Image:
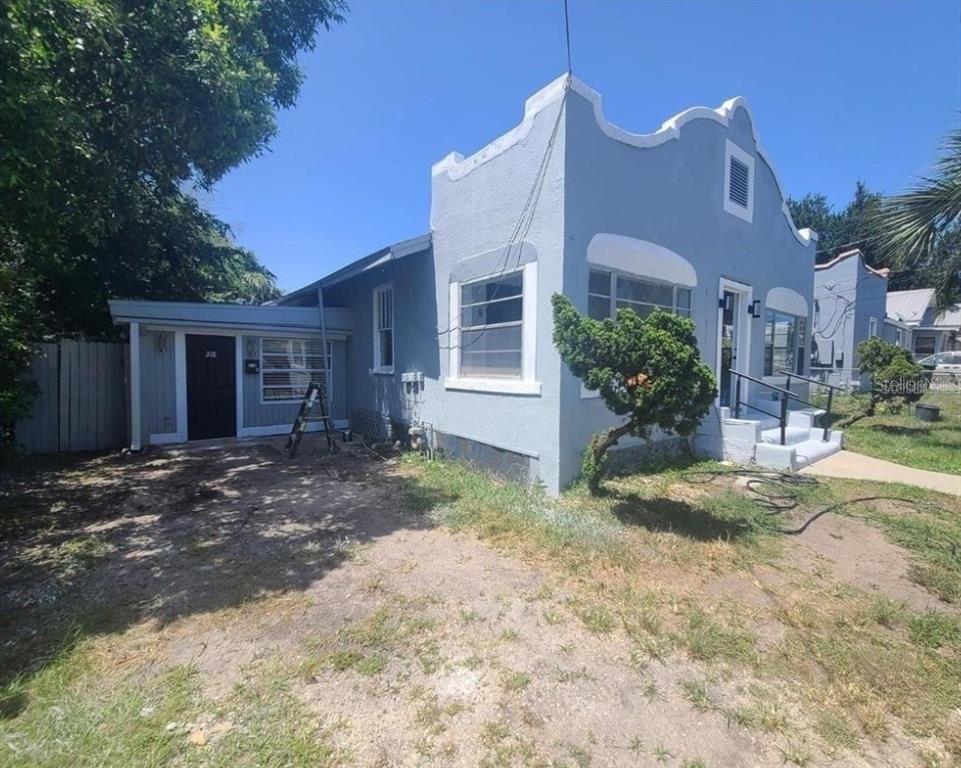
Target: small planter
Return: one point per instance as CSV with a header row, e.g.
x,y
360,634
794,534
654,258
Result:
x,y
927,412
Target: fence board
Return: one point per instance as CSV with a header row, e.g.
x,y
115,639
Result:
x,y
82,403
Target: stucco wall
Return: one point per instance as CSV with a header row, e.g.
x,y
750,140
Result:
x,y
848,295
474,219
672,195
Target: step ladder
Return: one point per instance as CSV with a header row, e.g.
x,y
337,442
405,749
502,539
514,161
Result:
x,y
315,396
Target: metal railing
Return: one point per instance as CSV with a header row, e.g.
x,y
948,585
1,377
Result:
x,y
784,395
826,416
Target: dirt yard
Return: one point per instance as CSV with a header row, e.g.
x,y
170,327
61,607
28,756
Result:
x,y
231,607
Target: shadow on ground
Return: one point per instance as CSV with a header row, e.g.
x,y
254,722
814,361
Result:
x,y
97,544
665,515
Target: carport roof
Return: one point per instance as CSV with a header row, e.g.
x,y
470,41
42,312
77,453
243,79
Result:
x,y
243,317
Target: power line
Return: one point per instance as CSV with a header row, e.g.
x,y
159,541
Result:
x,y
567,30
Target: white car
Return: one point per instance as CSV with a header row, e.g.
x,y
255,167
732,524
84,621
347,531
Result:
x,y
942,362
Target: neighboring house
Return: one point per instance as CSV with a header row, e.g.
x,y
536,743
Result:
x,y
451,331
931,331
849,307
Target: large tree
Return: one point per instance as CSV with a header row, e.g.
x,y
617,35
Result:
x,y
111,113
851,227
921,229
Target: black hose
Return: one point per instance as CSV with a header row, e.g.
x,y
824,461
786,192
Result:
x,y
778,503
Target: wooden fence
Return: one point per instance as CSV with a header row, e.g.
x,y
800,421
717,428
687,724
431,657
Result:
x,y
82,403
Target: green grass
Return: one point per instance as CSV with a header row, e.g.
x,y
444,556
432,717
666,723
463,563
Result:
x,y
76,712
903,438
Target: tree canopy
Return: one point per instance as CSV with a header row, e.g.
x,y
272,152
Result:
x,y
112,114
851,227
646,369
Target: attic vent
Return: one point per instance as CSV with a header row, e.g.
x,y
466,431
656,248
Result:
x,y
738,182
738,189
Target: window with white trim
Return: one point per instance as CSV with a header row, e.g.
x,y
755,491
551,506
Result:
x,y
287,366
608,291
491,327
872,327
384,329
783,343
899,337
738,181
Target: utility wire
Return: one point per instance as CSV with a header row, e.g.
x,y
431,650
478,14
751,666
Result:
x,y
567,30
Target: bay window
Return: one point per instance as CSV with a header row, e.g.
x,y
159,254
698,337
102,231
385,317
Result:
x,y
783,343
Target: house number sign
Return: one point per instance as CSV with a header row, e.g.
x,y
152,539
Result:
x,y
211,353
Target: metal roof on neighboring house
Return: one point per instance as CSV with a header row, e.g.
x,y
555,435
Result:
x,y
950,318
909,306
916,308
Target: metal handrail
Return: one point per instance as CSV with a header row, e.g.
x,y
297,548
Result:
x,y
808,379
783,396
826,416
762,383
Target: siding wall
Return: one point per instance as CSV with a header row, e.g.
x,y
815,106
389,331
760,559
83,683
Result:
x,y
258,414
158,399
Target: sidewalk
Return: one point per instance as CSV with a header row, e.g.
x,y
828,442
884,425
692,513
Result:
x,y
858,467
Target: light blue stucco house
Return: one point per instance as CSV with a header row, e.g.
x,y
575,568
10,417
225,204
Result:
x,y
451,332
850,306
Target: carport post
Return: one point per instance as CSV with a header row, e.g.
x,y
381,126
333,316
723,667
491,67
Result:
x,y
135,386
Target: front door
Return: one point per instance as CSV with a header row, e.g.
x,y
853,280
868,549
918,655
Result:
x,y
211,387
730,320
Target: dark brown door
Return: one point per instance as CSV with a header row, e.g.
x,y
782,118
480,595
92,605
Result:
x,y
211,387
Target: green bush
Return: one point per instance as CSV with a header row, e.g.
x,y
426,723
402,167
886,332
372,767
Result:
x,y
646,369
895,378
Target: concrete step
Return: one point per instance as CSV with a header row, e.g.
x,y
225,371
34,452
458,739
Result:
x,y
804,417
797,455
792,435
811,451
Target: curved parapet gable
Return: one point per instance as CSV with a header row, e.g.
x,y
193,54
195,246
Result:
x,y
641,258
786,300
456,166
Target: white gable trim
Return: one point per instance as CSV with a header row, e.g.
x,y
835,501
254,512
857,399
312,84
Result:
x,y
786,300
640,257
456,165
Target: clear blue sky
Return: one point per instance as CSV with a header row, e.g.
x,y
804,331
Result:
x,y
840,91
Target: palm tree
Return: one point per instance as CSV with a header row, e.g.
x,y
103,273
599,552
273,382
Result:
x,y
921,228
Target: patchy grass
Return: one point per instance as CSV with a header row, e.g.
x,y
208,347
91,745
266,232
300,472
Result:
x,y
903,438
926,524
860,661
77,711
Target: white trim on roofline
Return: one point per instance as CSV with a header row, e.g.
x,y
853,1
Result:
x,y
455,165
